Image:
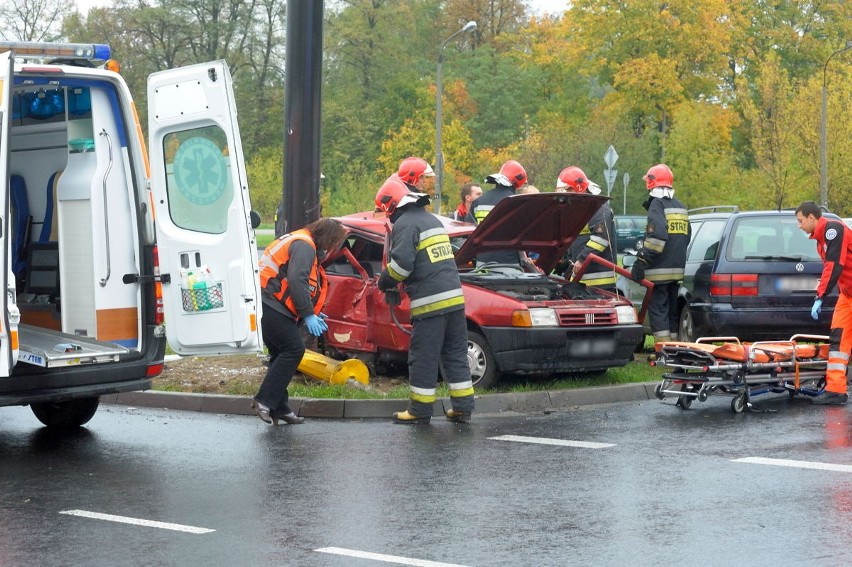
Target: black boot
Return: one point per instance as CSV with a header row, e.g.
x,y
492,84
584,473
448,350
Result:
x,y
830,399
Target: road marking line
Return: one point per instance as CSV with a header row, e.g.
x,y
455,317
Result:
x,y
546,441
137,521
795,464
386,558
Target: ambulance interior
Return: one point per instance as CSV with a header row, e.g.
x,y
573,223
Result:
x,y
74,234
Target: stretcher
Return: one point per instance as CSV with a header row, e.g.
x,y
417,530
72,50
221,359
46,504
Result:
x,y
726,366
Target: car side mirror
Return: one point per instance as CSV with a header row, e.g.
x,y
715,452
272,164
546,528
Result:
x,y
255,219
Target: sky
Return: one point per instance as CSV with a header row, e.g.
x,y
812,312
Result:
x,y
538,6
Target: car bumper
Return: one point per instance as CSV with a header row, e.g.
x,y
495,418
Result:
x,y
757,324
580,349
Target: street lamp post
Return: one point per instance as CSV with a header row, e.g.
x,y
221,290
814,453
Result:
x,y
439,88
823,132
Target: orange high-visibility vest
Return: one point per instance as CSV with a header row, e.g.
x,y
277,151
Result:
x,y
273,272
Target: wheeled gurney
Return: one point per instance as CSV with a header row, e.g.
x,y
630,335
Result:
x,y
726,366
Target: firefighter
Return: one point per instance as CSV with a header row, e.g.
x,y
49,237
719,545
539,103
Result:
x,y
662,259
293,288
595,238
834,245
511,177
413,171
421,258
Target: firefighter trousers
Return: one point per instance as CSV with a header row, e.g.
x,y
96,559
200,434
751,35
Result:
x,y
662,311
439,342
840,345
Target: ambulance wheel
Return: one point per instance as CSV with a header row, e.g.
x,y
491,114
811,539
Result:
x,y
66,415
738,404
480,358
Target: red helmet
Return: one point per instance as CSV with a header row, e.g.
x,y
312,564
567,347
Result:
x,y
659,176
573,179
511,174
394,194
411,169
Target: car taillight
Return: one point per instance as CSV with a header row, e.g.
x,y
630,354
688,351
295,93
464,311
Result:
x,y
733,284
159,316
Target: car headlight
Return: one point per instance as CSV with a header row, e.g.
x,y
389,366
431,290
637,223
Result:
x,y
539,317
626,314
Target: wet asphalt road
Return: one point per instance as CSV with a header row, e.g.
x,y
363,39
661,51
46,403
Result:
x,y
663,488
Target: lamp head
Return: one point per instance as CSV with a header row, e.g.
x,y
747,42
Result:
x,y
469,27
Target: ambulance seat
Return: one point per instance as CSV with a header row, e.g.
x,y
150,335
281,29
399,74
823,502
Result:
x,y
50,228
21,222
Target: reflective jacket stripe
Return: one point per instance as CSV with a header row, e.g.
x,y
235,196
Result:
x,y
598,278
481,212
437,301
597,243
396,271
664,274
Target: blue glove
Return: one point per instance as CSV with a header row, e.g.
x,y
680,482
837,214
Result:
x,y
816,309
315,325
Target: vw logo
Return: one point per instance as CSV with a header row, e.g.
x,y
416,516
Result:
x,y
800,267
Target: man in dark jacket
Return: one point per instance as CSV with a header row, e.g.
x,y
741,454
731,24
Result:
x,y
662,258
421,258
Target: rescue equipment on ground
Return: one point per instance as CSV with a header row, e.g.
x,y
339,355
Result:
x,y
333,371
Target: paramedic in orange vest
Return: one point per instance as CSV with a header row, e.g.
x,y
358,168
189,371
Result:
x,y
834,244
293,287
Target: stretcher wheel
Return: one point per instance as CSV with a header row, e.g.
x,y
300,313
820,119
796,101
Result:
x,y
702,395
738,404
684,401
658,391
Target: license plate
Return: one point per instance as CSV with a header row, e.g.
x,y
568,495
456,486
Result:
x,y
795,284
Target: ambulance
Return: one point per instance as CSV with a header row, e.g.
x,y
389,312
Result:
x,y
109,250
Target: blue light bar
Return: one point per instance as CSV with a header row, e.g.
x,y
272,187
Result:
x,y
32,49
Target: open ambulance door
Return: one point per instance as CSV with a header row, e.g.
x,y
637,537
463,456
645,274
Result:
x,y
207,247
10,316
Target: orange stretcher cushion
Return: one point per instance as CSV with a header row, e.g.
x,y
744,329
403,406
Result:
x,y
764,352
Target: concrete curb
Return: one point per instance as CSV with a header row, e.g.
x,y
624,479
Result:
x,y
529,402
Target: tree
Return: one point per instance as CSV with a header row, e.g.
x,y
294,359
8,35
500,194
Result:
x,y
701,156
34,20
773,122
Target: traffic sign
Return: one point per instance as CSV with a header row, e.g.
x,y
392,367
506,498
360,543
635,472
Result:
x,y
610,157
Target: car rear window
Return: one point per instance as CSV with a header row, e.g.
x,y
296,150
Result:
x,y
769,238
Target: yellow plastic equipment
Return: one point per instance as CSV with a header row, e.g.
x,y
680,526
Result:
x,y
333,371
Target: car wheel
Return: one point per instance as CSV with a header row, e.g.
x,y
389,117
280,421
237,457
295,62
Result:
x,y
685,330
480,359
70,414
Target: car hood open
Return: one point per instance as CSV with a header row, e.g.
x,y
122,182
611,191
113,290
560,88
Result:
x,y
544,223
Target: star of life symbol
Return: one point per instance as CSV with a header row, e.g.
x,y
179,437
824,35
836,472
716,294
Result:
x,y
200,171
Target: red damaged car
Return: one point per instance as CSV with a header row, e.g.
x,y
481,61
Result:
x,y
520,320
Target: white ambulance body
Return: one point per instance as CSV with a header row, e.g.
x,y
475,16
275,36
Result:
x,y
108,250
